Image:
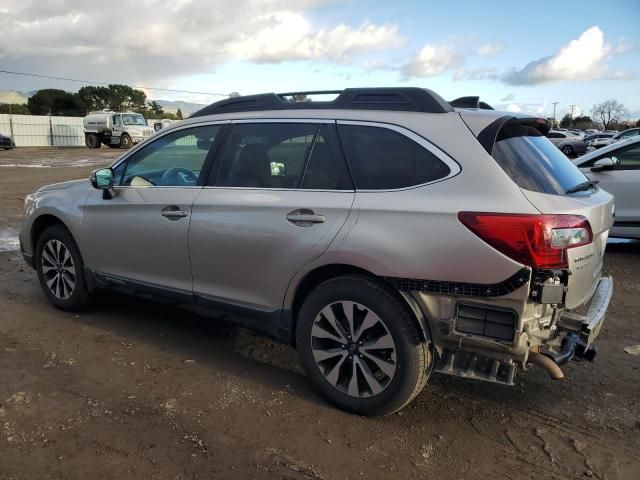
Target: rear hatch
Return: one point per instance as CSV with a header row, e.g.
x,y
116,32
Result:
x,y
555,186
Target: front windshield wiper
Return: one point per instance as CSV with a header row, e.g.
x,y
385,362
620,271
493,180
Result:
x,y
581,187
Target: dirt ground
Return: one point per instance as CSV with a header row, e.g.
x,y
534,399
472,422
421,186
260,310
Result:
x,y
133,390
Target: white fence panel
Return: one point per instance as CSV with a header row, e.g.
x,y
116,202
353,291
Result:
x,y
43,131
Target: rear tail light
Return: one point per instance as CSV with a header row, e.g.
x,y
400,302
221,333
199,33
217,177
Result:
x,y
539,241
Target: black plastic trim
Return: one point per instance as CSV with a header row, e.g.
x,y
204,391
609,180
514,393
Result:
x,y
627,224
487,137
408,99
470,102
261,321
505,287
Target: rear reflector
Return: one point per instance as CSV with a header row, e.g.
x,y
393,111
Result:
x,y
539,241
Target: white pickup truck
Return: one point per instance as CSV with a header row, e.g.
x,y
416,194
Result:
x,y
115,129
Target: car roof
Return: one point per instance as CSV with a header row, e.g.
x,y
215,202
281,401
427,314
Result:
x,y
607,149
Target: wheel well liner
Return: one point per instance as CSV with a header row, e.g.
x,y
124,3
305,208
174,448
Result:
x,y
326,272
40,224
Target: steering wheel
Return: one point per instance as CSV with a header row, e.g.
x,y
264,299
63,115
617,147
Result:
x,y
179,176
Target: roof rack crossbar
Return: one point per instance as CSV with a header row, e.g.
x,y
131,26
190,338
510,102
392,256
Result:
x,y
391,99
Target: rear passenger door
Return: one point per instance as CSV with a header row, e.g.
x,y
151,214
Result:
x,y
279,194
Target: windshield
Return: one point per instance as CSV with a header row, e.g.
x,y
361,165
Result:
x,y
533,162
133,119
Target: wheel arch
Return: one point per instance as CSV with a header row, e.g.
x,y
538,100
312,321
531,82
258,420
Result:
x,y
41,223
321,274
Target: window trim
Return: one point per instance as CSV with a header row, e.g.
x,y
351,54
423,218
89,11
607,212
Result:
x,y
210,182
208,161
454,167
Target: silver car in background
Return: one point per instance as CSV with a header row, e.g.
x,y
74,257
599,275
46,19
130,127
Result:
x,y
569,143
616,168
385,234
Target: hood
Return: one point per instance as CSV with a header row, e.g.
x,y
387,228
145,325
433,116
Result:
x,y
64,185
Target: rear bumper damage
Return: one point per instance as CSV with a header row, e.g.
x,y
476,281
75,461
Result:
x,y
473,344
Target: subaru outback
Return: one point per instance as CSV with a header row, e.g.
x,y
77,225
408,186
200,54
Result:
x,y
386,234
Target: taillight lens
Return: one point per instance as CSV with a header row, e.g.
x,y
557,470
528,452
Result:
x,y
540,241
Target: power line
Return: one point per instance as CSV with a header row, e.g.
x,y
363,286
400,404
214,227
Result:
x,y
51,77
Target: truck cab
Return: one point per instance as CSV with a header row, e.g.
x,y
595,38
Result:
x,y
115,129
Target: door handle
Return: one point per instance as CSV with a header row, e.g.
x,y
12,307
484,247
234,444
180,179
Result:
x,y
304,217
173,212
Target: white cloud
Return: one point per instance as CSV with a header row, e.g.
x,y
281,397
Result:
x,y
508,98
533,108
433,60
584,58
475,74
150,41
290,36
489,49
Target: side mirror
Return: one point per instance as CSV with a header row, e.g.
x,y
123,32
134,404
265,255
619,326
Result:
x,y
103,179
604,164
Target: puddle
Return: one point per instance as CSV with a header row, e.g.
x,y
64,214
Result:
x,y
24,165
9,240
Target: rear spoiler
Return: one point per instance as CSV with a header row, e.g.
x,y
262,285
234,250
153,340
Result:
x,y
470,102
489,135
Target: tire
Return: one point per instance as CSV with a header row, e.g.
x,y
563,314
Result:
x,y
91,140
567,150
387,380
125,141
70,291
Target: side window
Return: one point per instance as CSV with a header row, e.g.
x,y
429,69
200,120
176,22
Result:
x,y
629,158
266,155
173,160
117,120
555,135
381,159
326,169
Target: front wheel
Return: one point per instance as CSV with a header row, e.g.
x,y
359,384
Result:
x,y
61,269
91,140
361,346
125,141
567,150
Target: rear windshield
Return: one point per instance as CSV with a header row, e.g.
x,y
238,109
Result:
x,y
533,162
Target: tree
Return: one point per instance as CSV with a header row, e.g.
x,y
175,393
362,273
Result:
x,y
14,108
55,102
123,97
234,94
94,98
156,108
300,97
583,122
638,123
608,112
566,121
179,114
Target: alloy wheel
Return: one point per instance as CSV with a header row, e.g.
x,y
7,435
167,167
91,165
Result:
x,y
58,269
353,349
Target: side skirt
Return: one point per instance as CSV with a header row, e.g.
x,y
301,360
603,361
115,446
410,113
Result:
x,y
268,323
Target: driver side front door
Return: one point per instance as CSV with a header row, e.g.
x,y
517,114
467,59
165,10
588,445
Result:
x,y
140,236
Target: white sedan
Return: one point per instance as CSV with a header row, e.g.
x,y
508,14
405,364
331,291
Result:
x,y
617,169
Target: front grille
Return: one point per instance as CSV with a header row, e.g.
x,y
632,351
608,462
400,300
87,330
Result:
x,y
493,323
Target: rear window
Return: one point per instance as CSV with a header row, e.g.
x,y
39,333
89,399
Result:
x,y
533,162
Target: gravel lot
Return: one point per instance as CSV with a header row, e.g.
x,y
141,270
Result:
x,y
135,390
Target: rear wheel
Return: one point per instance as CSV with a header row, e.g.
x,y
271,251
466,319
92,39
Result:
x,y
125,141
92,141
361,346
61,269
567,150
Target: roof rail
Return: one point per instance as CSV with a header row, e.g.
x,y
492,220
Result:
x,y
407,99
470,102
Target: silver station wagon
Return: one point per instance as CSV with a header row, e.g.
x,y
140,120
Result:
x,y
385,234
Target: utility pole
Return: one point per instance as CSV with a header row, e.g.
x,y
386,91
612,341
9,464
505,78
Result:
x,y
571,117
554,111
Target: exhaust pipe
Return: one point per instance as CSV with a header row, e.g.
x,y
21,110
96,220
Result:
x,y
552,368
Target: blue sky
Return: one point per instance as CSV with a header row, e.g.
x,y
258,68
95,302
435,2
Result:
x,y
515,56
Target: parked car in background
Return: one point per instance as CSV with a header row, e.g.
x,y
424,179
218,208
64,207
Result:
x,y
591,131
569,143
386,234
617,169
596,136
6,142
160,124
626,134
